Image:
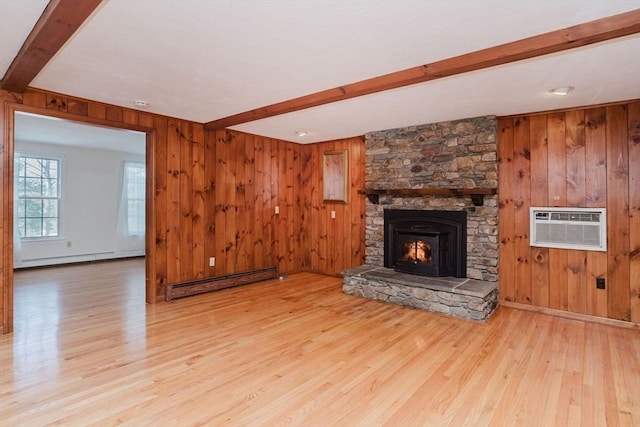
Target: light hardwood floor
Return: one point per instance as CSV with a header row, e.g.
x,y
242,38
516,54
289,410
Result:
x,y
88,351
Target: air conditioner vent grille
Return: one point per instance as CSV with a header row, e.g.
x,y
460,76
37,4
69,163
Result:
x,y
575,228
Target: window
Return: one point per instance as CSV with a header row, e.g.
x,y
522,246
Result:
x,y
38,196
134,178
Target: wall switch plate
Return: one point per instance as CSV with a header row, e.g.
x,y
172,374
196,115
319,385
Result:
x,y
277,210
212,261
600,283
333,214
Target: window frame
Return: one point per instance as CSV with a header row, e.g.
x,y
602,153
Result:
x,y
143,198
20,155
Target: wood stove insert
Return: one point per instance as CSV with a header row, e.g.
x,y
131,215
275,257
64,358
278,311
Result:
x,y
428,243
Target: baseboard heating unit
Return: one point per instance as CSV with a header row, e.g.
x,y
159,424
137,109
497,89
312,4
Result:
x,y
194,287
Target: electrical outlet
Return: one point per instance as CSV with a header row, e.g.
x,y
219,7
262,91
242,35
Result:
x,y
600,283
333,214
212,261
68,243
277,210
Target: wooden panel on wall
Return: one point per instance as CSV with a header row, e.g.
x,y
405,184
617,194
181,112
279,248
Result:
x,y
618,212
539,197
198,216
521,201
581,158
575,177
161,211
596,196
634,209
506,225
6,213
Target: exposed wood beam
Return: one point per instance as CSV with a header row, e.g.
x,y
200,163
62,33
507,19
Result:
x,y
600,30
59,20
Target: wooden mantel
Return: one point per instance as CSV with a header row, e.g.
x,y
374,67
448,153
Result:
x,y
477,194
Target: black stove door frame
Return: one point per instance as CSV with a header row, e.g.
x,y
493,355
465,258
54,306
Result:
x,y
455,222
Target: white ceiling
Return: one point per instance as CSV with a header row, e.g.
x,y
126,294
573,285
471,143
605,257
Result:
x,y
206,59
50,130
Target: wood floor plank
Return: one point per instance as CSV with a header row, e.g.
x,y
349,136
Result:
x,y
87,351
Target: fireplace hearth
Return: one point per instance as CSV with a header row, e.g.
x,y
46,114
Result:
x,y
426,242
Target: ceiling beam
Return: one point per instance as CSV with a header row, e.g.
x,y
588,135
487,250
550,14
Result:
x,y
555,41
59,20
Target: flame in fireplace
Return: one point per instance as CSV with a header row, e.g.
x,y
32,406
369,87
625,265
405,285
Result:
x,y
417,251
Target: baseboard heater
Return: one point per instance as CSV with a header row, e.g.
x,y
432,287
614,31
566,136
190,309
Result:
x,y
200,286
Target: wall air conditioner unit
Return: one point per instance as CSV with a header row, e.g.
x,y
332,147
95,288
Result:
x,y
569,228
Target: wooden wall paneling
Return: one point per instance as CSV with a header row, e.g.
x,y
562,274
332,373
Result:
x,y
151,294
291,218
56,102
281,221
618,212
161,201
185,132
634,210
357,203
115,114
210,208
305,191
198,217
260,181
298,208
521,201
323,224
596,196
221,203
97,111
506,209
144,119
596,299
241,214
130,117
539,197
576,194
557,163
249,201
577,281
173,202
342,225
575,158
331,223
275,201
316,201
558,297
36,98
267,203
81,108
231,213
6,225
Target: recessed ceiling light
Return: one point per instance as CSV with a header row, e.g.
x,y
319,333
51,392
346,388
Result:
x,y
562,91
140,103
302,133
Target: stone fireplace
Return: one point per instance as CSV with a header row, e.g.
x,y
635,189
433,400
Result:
x,y
421,170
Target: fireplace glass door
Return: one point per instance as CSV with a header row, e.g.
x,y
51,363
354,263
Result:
x,y
421,253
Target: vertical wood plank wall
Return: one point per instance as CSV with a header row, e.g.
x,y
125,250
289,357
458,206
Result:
x,y
583,158
215,195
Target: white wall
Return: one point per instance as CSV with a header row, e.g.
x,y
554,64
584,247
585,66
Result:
x,y
91,186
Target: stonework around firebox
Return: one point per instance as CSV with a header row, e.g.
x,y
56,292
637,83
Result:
x,y
456,154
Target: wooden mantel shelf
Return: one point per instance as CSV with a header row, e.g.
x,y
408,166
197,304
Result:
x,y
477,194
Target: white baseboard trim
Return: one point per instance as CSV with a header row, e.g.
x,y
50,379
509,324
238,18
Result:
x,y
43,262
